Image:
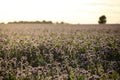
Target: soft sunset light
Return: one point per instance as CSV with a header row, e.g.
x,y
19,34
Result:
x,y
71,11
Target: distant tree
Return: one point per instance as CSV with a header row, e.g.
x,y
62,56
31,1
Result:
x,y
102,19
62,22
43,21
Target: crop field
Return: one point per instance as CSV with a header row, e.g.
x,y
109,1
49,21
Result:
x,y
59,52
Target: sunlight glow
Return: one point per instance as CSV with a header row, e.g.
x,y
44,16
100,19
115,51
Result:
x,y
71,11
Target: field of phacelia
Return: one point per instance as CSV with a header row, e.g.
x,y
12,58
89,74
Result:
x,y
59,52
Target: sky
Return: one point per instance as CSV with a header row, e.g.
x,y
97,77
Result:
x,y
69,11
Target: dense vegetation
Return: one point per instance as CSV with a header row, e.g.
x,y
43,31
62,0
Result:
x,y
59,52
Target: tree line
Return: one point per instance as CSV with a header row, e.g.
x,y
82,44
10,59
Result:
x,y
102,20
31,22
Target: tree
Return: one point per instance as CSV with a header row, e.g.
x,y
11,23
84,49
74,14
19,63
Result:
x,y
102,19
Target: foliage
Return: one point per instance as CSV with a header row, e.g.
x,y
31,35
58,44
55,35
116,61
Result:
x,y
102,19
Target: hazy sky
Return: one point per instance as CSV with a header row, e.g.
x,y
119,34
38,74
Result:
x,y
71,11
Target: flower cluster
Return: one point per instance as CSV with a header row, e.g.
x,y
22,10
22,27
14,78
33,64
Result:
x,y
66,52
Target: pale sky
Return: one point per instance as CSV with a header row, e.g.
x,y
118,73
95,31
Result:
x,y
70,11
